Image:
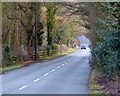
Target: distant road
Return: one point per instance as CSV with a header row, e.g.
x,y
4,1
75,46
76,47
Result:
x,y
84,40
65,75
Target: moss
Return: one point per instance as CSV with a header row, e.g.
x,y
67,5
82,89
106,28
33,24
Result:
x,y
97,92
95,86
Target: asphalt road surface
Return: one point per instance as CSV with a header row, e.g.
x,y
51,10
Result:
x,y
65,75
84,40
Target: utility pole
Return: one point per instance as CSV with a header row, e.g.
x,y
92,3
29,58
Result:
x,y
35,34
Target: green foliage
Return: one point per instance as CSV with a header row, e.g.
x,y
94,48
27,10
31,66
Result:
x,y
7,56
105,55
55,48
61,34
51,10
7,49
18,28
64,33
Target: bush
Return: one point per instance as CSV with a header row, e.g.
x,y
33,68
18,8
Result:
x,y
7,58
105,59
55,48
105,56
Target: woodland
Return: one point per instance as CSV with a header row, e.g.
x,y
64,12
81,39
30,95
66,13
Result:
x,y
61,23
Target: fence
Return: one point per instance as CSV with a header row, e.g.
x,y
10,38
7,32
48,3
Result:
x,y
41,54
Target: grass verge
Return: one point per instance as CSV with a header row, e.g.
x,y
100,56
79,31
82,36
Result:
x,y
71,50
16,66
94,87
11,67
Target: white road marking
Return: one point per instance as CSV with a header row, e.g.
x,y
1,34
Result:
x,y
46,74
22,88
36,80
59,66
43,75
53,70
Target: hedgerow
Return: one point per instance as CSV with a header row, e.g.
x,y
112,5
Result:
x,y
105,55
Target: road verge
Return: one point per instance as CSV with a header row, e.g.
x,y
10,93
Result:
x,y
94,87
27,63
99,84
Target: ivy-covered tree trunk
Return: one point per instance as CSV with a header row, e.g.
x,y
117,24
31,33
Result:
x,y
40,27
51,10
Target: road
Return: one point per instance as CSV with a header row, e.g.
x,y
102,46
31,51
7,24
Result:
x,y
65,75
84,40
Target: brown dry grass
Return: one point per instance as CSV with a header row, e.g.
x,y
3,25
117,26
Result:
x,y
99,84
